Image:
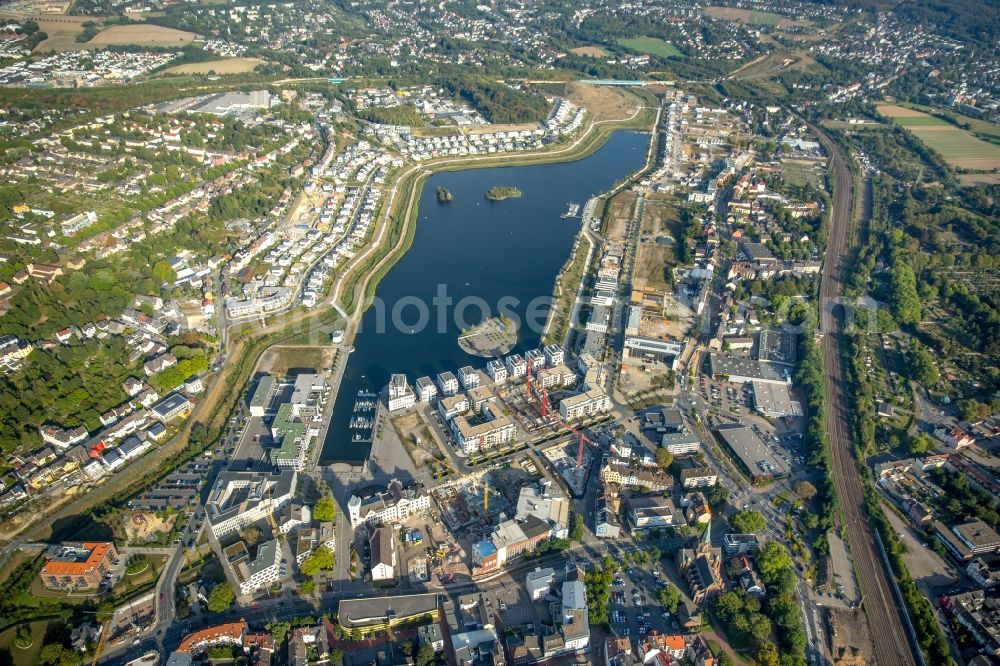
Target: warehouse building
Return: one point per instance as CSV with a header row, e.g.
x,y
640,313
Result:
x,y
752,453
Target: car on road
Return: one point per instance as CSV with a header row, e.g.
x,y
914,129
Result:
x,y
161,596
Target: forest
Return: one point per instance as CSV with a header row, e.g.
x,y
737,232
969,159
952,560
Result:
x,y
497,102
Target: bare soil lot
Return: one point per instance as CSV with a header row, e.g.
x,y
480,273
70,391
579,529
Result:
x,y
618,213
589,51
603,103
223,66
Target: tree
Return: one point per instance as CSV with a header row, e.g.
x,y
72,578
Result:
x,y
920,444
772,559
717,495
664,458
748,522
279,630
767,654
252,535
325,509
805,490
319,559
220,598
336,656
669,598
971,410
426,656
576,527
163,272
307,586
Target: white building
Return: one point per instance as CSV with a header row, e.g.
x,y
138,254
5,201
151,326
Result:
x,y
261,571
497,371
594,401
469,377
395,504
554,355
426,390
401,396
448,383
383,554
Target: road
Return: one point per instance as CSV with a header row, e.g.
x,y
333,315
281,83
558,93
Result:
x,y
887,621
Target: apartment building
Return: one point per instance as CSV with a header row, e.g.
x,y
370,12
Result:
x,y
592,402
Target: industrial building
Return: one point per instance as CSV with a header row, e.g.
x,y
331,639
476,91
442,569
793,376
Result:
x,y
652,350
740,370
774,400
751,452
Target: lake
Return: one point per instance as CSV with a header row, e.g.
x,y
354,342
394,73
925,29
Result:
x,y
472,252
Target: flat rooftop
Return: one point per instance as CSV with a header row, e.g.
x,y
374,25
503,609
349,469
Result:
x,y
755,455
376,610
773,399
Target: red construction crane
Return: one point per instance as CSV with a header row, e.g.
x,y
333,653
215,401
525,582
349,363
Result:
x,y
545,408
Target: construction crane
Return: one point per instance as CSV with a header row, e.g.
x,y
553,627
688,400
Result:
x,y
100,641
270,511
486,498
545,409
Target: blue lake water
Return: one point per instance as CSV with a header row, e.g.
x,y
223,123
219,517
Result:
x,y
505,254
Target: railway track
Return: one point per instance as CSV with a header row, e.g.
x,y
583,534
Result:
x,y
887,621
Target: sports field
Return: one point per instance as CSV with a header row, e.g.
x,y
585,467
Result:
x,y
652,46
958,147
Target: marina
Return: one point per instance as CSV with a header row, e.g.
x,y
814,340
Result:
x,y
572,210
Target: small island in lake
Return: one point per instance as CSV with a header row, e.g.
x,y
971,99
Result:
x,y
443,195
490,338
502,192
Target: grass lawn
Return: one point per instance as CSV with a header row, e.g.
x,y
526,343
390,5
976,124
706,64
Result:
x,y
919,121
652,46
764,18
26,657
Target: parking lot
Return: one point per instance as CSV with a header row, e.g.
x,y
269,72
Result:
x,y
634,609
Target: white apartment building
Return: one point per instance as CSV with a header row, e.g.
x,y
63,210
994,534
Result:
x,y
469,377
448,383
554,355
516,366
426,390
497,371
396,503
401,396
594,401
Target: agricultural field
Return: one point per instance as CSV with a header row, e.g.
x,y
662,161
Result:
x,y
62,32
750,16
958,147
589,51
651,45
141,34
223,66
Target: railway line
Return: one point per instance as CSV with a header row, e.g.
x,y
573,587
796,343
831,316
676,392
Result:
x,y
887,621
